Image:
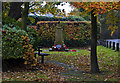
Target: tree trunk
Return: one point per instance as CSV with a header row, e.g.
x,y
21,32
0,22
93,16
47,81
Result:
x,y
15,10
25,15
94,63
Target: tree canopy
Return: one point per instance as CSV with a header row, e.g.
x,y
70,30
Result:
x,y
101,8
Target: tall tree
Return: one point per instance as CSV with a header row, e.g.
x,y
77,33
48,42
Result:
x,y
15,10
96,8
94,63
25,15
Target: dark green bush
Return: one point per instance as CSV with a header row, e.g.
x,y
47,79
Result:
x,y
34,37
11,39
11,22
45,18
16,44
75,18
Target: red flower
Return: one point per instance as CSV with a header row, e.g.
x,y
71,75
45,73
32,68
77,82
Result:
x,y
65,46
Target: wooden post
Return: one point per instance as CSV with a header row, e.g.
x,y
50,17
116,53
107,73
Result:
x,y
117,47
42,59
35,55
104,43
107,44
39,50
113,46
110,44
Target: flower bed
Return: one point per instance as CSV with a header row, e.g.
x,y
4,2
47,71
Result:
x,y
59,47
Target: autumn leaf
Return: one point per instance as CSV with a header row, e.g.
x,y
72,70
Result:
x,y
32,19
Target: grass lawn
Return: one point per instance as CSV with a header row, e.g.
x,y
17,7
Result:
x,y
107,60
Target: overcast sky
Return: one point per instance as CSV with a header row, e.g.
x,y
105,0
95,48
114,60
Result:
x,y
66,7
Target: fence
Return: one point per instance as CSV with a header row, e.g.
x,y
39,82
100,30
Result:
x,y
109,44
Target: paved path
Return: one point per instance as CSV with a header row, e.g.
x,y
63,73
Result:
x,y
71,72
66,67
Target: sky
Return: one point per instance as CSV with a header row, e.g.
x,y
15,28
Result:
x,y
66,6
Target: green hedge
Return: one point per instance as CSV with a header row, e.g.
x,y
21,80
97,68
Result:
x,y
45,18
75,33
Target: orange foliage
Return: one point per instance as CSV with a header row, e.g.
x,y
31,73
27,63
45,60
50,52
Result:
x,y
99,7
71,30
28,51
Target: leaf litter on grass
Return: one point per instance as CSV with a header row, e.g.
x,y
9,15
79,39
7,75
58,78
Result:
x,y
39,73
81,62
107,61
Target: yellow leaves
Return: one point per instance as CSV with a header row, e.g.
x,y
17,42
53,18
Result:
x,y
33,65
6,14
112,33
107,22
108,10
110,27
96,14
25,45
86,8
97,20
32,19
71,13
35,60
23,57
25,62
113,28
28,52
112,19
24,37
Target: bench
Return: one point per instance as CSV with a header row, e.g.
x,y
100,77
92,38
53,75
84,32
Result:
x,y
41,54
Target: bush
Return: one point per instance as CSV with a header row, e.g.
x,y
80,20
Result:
x,y
11,22
15,44
11,39
33,36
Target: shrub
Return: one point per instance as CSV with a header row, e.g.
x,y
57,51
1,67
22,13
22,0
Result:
x,y
15,44
11,22
11,42
33,36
